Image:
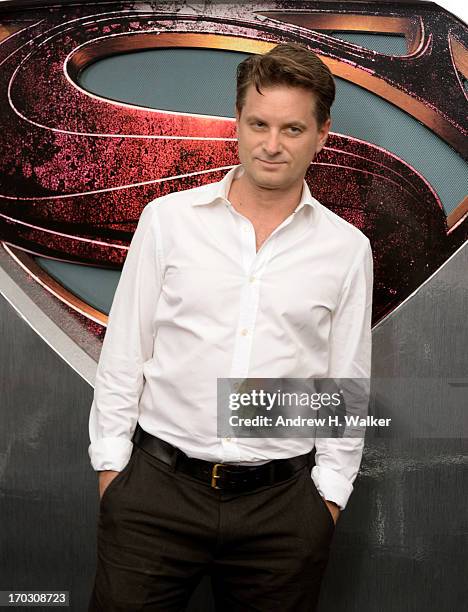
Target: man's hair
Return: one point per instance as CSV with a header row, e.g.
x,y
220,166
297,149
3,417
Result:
x,y
292,65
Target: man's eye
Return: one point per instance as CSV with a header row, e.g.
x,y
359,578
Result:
x,y
294,129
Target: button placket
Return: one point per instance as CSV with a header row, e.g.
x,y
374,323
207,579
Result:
x,y
254,264
250,298
248,244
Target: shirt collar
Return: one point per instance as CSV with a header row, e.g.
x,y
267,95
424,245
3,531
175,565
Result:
x,y
219,191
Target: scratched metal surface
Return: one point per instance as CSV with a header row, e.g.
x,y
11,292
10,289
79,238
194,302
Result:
x,y
401,544
48,493
398,547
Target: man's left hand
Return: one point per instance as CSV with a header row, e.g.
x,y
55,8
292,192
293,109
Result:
x,y
334,509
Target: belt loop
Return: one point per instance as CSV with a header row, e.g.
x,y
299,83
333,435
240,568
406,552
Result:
x,y
272,472
136,434
175,459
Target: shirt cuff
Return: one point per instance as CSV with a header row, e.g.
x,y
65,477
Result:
x,y
332,486
110,453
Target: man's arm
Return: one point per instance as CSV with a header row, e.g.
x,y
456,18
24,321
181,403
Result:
x,y
128,343
338,459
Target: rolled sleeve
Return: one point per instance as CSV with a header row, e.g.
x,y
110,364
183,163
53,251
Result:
x,y
338,459
127,345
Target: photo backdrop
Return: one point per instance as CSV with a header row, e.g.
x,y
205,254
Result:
x,y
105,106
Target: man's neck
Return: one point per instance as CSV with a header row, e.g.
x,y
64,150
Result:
x,y
253,201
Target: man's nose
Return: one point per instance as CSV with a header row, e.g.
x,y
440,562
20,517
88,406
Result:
x,y
272,143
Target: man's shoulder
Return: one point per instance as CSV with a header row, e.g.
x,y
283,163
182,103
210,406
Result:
x,y
177,201
345,231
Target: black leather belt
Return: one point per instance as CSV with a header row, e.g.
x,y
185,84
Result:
x,y
223,476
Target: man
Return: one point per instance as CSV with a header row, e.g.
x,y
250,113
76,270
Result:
x,y
248,277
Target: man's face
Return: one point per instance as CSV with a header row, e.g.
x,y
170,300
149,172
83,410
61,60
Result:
x,y
278,135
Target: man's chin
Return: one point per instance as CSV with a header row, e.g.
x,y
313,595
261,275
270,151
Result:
x,y
265,180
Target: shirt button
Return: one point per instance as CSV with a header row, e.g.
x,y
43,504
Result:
x,y
244,332
252,279
227,439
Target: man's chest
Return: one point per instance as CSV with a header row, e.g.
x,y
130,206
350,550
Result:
x,y
216,278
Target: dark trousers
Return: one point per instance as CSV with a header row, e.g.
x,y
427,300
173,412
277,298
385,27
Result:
x,y
160,531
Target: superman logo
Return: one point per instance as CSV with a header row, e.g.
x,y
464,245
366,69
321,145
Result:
x,y
77,169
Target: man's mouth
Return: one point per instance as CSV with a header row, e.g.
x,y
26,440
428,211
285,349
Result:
x,y
270,163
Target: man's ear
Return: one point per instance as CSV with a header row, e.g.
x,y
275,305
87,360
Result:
x,y
323,134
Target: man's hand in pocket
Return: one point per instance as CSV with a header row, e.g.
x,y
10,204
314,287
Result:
x,y
105,478
334,510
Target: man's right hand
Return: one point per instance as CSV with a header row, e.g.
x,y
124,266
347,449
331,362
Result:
x,y
105,478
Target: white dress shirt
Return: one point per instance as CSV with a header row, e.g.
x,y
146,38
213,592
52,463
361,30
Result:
x,y
197,302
